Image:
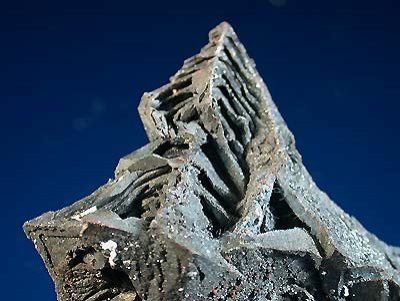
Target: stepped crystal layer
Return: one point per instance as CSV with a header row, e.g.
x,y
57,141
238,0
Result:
x,y
218,206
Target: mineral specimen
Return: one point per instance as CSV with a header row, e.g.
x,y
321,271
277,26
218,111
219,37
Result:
x,y
218,206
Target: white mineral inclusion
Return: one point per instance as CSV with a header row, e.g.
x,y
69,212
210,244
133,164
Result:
x,y
84,213
112,247
346,291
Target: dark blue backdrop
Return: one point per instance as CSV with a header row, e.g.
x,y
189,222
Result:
x,y
72,74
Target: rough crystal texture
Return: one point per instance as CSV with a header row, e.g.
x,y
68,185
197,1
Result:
x,y
218,206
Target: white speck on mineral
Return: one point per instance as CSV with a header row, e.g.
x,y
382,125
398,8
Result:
x,y
192,274
346,291
112,247
90,210
84,213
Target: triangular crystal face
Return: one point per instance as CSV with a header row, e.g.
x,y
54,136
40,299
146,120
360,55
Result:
x,y
218,206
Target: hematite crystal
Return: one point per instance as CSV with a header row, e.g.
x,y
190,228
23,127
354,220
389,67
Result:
x,y
218,206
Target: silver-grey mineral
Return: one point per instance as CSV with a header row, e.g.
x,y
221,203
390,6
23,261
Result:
x,y
218,206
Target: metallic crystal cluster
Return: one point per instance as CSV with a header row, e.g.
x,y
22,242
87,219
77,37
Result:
x,y
218,206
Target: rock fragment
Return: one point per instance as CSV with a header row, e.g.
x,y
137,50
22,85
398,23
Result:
x,y
218,206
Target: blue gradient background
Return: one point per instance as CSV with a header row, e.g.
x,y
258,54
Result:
x,y
72,74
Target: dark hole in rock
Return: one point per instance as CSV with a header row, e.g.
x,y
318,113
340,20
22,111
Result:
x,y
285,218
201,274
171,150
78,256
117,279
284,215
